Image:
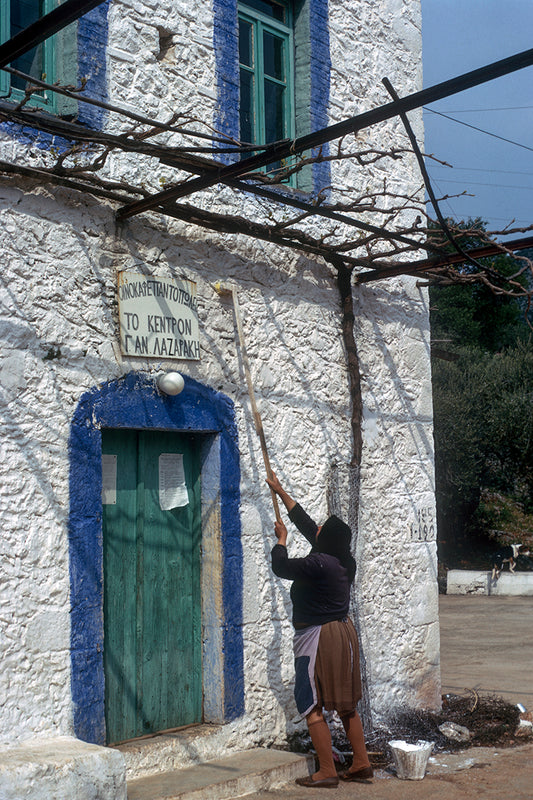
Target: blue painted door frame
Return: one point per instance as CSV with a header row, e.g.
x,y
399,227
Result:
x,y
135,402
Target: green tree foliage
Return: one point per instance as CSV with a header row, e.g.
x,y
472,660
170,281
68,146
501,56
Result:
x,y
483,407
472,314
483,404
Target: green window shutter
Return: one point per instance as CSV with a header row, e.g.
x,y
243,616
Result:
x,y
66,69
54,60
266,61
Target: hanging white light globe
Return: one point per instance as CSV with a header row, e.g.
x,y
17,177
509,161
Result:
x,y
171,383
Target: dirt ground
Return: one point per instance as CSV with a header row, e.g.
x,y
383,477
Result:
x,y
487,647
475,774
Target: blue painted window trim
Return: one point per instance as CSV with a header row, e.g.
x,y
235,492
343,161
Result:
x,y
134,402
92,60
91,43
318,69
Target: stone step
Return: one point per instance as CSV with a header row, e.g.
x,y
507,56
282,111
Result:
x,y
233,776
61,768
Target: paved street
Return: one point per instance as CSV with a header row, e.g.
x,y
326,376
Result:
x,y
487,644
481,774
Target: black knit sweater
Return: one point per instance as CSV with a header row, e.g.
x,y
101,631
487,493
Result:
x,y
320,591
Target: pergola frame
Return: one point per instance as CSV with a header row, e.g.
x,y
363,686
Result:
x,y
242,174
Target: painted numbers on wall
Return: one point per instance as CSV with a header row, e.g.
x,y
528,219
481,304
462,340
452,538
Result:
x,y
423,528
158,317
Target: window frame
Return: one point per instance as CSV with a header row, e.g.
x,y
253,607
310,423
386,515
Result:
x,y
262,23
312,68
56,55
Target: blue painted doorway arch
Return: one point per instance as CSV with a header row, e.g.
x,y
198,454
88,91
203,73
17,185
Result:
x,y
135,402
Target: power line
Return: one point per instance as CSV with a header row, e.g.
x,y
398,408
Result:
x,y
488,217
480,169
477,110
445,200
480,130
506,219
494,185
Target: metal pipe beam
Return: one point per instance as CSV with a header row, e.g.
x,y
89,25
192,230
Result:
x,y
288,147
196,164
406,268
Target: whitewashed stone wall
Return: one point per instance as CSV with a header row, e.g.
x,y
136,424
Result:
x,y
60,256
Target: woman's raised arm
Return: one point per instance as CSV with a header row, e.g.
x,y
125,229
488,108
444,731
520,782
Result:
x,y
284,496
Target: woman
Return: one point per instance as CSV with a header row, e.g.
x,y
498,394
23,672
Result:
x,y
326,650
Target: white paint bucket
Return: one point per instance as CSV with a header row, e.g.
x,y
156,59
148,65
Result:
x,y
411,759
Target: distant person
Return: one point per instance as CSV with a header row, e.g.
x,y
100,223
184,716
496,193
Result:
x,y
326,649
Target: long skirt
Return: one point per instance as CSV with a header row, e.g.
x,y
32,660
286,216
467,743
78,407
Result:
x,y
337,670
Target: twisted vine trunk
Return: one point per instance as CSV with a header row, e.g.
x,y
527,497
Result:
x,y
344,283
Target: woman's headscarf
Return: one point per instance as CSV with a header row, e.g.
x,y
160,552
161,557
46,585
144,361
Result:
x,y
334,539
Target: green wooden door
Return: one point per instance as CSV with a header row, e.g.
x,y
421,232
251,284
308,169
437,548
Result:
x,y
152,622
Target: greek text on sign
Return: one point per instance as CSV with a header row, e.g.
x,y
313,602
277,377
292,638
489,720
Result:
x,y
158,317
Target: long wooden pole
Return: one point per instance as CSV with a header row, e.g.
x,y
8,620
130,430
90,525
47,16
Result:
x,y
257,416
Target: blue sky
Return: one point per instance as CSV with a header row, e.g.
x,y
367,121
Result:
x,y
458,36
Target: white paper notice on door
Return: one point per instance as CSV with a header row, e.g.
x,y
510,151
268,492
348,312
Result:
x,y
172,488
109,480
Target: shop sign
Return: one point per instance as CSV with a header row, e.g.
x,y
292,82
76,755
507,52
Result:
x,y
158,317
